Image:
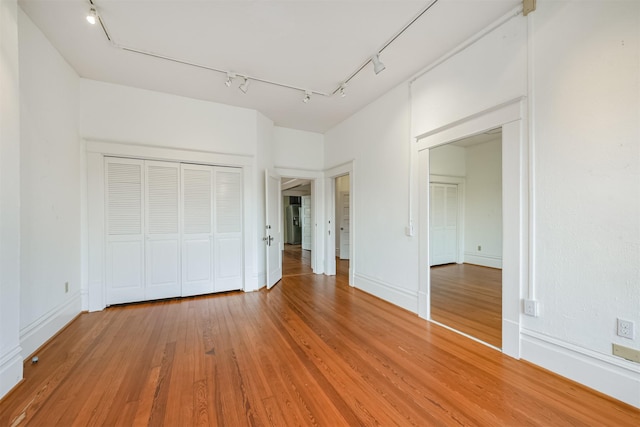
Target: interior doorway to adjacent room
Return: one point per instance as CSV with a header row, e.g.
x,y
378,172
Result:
x,y
297,224
342,217
465,236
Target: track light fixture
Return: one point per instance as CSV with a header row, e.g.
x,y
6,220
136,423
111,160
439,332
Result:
x,y
343,88
230,78
244,87
378,66
92,16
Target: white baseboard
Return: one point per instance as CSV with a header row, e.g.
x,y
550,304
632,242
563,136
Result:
x,y
10,369
610,375
38,332
84,298
483,260
401,297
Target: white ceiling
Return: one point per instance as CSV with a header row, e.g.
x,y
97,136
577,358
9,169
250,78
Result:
x,y
311,44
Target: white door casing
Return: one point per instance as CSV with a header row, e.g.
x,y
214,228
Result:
x,y
344,224
305,216
273,234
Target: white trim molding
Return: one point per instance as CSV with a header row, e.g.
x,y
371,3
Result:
x,y
604,373
483,260
10,369
46,326
405,298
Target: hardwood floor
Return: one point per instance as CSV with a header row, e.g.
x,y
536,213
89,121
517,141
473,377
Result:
x,y
468,298
295,261
311,351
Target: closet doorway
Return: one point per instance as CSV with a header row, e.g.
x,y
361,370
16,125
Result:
x,y
172,229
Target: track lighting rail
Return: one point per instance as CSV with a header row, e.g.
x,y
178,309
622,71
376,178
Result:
x,y
374,59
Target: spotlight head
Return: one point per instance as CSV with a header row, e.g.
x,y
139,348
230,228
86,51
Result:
x,y
378,66
230,78
92,16
244,87
307,96
343,88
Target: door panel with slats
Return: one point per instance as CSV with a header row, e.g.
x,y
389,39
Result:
x,y
162,195
125,239
197,234
172,229
228,228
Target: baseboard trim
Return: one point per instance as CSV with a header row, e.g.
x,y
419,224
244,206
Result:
x,y
34,335
10,370
607,374
401,297
483,260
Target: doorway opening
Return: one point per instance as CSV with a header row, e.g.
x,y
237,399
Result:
x,y
297,226
343,223
465,235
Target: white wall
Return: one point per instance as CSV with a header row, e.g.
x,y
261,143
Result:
x,y
50,189
586,102
448,160
483,204
10,350
298,149
377,138
116,113
578,65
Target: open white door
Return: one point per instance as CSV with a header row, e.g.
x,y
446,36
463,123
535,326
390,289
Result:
x,y
344,224
305,216
273,234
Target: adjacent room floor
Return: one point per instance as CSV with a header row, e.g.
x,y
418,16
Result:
x,y
310,351
468,298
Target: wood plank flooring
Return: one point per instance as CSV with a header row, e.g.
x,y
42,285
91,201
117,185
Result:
x,y
311,351
468,298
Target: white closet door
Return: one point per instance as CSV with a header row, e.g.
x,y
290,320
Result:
x,y
443,224
125,233
197,229
227,228
162,195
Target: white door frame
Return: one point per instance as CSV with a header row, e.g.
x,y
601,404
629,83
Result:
x,y
515,192
330,205
317,214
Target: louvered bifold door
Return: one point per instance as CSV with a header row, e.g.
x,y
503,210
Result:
x,y
124,230
227,228
162,191
197,229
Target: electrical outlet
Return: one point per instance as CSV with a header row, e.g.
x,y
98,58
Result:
x,y
479,248
66,287
625,329
531,307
